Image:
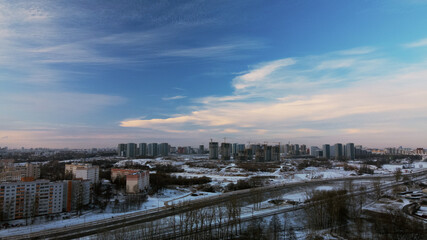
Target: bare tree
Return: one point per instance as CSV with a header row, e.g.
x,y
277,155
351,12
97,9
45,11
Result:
x,y
377,188
274,227
397,174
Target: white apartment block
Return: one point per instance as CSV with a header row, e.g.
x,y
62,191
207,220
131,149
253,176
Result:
x,y
83,171
26,199
137,182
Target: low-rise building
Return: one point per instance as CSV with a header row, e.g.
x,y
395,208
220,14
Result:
x,y
119,172
12,173
137,182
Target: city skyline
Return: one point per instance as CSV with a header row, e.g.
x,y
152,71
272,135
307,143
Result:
x,y
76,74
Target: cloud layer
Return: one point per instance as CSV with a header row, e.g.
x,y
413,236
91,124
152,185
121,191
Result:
x,y
345,95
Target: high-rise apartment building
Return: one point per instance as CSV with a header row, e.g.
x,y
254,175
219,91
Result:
x,y
314,150
338,149
303,149
255,148
27,199
326,151
121,150
201,149
288,150
130,150
213,150
153,150
349,151
142,149
267,153
234,150
163,149
225,151
76,194
275,153
295,149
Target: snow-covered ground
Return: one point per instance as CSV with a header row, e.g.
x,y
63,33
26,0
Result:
x,y
166,197
222,175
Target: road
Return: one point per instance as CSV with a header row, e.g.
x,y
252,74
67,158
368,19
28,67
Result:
x,y
167,233
95,227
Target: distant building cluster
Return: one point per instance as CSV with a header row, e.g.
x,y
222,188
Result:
x,y
10,172
398,151
131,150
259,152
24,195
338,151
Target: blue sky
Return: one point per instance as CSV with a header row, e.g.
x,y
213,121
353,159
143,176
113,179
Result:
x,y
96,73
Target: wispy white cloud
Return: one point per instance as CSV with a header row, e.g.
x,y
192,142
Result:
x,y
419,43
216,51
260,73
173,98
357,51
298,99
335,64
37,36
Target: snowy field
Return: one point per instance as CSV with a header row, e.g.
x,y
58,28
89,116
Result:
x,y
165,198
222,175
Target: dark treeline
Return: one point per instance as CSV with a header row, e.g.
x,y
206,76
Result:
x,y
162,180
259,167
63,155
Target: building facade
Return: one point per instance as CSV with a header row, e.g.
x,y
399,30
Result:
x,y
326,151
142,149
163,149
152,150
84,171
338,149
121,150
76,194
137,182
28,199
131,150
213,150
118,172
225,151
350,151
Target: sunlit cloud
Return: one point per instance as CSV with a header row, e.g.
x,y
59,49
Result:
x,y
297,98
260,73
